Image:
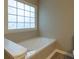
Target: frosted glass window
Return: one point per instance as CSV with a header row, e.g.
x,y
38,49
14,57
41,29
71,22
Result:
x,y
20,5
32,14
20,25
20,19
11,10
11,18
27,19
20,15
27,25
27,7
27,13
11,25
33,20
32,25
12,3
20,12
32,9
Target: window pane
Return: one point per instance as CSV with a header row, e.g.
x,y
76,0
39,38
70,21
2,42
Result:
x,y
27,7
12,3
11,25
32,9
20,25
27,13
11,10
11,18
33,20
32,25
27,25
20,19
20,16
20,12
27,19
20,5
32,14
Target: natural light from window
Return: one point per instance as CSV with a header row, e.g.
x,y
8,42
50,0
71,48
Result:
x,y
20,15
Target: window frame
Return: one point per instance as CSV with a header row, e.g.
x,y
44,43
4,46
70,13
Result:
x,y
27,29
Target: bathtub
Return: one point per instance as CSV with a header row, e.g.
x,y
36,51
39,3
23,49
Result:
x,y
38,48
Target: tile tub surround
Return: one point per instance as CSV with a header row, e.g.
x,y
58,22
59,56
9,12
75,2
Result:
x,y
39,47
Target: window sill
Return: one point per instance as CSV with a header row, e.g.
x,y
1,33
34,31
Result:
x,y
21,30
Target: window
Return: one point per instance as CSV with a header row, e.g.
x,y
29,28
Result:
x,y
20,15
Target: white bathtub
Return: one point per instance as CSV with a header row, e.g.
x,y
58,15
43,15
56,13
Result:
x,y
37,45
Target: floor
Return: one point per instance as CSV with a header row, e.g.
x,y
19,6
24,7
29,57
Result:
x,y
61,56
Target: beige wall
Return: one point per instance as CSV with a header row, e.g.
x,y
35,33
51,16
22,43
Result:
x,y
17,35
56,20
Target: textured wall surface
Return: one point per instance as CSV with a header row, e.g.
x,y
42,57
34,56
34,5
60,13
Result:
x,y
56,20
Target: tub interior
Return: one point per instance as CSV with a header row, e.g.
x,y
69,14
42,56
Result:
x,y
36,43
